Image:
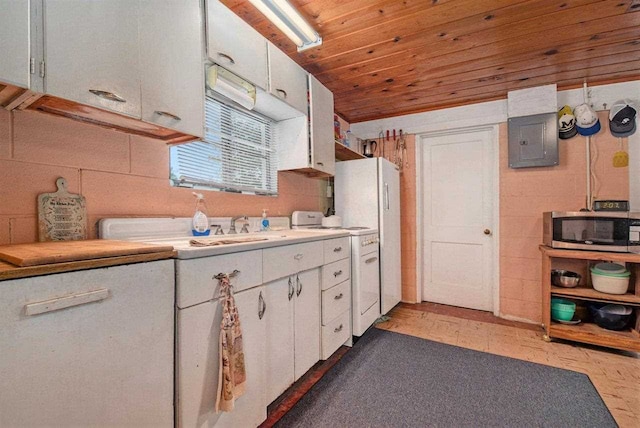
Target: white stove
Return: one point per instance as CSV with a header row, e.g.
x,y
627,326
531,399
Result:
x,y
365,267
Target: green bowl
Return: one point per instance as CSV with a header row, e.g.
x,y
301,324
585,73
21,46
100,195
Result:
x,y
562,310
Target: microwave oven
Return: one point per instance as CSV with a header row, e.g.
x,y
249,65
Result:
x,y
592,230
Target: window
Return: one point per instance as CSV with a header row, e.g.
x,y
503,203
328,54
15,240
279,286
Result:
x,y
237,153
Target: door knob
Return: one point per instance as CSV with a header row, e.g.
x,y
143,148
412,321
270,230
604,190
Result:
x,y
487,232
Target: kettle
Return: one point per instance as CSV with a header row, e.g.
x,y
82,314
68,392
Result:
x,y
369,148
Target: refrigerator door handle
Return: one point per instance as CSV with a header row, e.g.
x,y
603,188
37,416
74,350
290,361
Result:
x,y
386,195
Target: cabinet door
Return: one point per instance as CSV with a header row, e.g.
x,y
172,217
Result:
x,y
93,46
197,366
106,362
322,139
234,45
287,80
14,42
307,321
280,374
171,57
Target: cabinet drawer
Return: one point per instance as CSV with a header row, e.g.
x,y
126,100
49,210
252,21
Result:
x,y
282,261
335,301
336,272
335,334
194,278
336,249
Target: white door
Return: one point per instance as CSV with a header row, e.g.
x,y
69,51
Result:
x,y
198,365
91,53
287,80
458,219
390,271
105,358
323,153
307,321
280,295
14,42
171,60
235,45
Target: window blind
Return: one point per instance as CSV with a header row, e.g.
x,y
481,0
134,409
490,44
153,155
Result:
x,y
237,153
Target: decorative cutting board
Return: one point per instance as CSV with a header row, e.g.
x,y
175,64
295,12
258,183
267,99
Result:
x,y
62,216
40,253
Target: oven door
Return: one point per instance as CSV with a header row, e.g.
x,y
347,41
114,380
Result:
x,y
369,286
592,232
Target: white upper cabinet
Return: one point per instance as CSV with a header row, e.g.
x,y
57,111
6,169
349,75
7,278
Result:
x,y
321,117
171,58
14,42
287,80
91,53
235,45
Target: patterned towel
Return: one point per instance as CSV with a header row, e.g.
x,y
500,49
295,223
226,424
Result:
x,y
232,376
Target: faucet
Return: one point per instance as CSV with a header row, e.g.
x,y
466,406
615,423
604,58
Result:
x,y
232,229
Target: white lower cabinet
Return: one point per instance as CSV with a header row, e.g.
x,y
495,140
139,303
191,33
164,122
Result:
x,y
89,348
197,364
293,329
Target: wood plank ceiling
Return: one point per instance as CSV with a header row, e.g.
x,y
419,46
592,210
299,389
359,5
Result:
x,y
385,58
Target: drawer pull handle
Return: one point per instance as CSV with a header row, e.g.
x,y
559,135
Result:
x,y
339,296
320,163
65,302
107,95
283,92
227,57
338,329
230,275
298,256
337,249
336,274
262,306
291,289
371,260
167,114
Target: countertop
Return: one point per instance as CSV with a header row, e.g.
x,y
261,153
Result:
x,y
273,239
9,271
182,251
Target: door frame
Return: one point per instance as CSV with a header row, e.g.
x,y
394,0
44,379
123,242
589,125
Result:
x,y
495,187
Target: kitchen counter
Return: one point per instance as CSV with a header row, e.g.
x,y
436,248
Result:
x,y
273,239
11,271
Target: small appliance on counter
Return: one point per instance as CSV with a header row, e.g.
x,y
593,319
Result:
x,y
603,230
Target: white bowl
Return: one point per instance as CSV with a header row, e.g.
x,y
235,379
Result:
x,y
610,284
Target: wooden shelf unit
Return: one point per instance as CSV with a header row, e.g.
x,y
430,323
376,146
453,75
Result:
x,y
344,153
587,332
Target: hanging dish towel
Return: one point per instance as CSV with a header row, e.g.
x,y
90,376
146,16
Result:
x,y
232,376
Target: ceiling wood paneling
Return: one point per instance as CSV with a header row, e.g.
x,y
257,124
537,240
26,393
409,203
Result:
x,y
385,58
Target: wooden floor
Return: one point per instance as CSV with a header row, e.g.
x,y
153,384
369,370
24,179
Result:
x,y
615,374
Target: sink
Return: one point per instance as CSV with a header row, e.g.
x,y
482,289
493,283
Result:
x,y
207,242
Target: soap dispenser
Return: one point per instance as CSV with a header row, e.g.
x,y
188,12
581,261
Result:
x,y
264,223
200,222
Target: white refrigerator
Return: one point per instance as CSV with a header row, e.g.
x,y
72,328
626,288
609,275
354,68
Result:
x,y
367,193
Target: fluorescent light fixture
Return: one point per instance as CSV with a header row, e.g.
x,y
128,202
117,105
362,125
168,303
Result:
x,y
231,86
290,22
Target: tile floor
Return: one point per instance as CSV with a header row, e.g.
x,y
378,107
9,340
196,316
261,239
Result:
x,y
616,375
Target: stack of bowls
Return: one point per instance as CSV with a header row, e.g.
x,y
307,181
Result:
x,y
562,309
565,278
610,278
611,317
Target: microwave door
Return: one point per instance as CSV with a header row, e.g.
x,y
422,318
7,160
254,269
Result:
x,y
595,233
